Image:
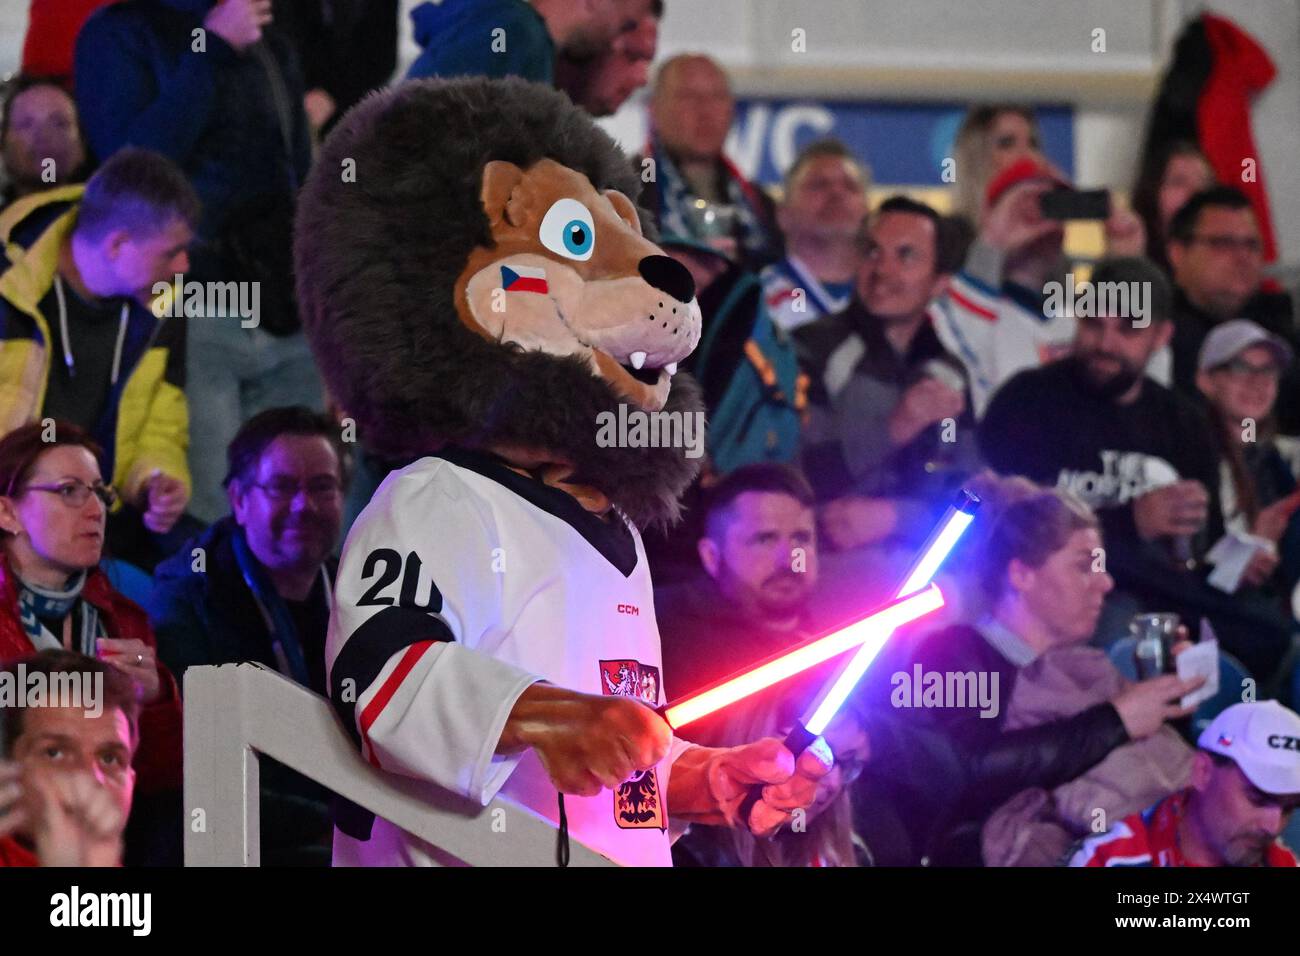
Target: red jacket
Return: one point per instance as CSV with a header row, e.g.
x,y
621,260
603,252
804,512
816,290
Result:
x,y
13,854
1242,69
52,28
1150,838
158,759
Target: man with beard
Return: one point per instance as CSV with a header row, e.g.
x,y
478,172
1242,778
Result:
x,y
822,209
513,37
995,315
1141,455
256,586
1245,785
759,551
602,85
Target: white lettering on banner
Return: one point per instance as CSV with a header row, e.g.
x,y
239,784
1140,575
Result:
x,y
788,121
744,144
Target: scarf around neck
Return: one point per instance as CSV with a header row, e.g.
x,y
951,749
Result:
x,y
37,604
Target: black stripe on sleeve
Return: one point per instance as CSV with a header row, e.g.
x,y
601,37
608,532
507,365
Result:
x,y
369,648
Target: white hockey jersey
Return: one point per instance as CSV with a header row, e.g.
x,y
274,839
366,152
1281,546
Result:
x,y
994,336
794,297
461,584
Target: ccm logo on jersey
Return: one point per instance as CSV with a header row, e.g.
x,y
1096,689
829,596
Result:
x,y
629,609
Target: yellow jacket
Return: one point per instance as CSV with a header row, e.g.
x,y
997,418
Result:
x,y
146,427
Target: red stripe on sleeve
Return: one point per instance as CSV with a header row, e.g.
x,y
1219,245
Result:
x,y
970,305
386,692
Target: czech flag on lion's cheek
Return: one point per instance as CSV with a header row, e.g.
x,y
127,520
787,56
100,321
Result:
x,y
523,279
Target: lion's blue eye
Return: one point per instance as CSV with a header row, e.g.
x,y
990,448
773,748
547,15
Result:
x,y
567,230
577,237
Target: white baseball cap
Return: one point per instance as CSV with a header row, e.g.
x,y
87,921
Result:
x,y
1229,339
1263,738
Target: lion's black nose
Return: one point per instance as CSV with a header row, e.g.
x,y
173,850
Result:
x,y
668,275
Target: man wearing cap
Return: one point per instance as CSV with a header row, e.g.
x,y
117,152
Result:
x,y
995,315
1141,455
1238,371
1245,783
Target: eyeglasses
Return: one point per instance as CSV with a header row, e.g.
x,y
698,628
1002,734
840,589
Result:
x,y
75,493
1230,243
324,489
1240,368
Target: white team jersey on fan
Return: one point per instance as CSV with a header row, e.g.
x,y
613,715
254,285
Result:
x,y
461,584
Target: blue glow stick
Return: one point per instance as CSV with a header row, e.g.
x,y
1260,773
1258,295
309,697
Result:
x,y
828,702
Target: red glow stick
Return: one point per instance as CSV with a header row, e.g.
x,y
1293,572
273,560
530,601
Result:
x,y
795,660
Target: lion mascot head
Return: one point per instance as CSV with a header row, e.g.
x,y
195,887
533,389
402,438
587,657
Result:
x,y
472,270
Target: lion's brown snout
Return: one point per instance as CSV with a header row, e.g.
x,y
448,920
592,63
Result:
x,y
668,276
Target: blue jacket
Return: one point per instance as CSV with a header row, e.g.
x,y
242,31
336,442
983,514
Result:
x,y
459,38
216,113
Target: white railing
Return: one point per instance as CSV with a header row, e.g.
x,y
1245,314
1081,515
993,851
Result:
x,y
236,711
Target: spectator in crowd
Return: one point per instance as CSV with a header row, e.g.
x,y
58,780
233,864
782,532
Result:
x,y
259,591
1038,569
1245,786
66,797
1217,260
1166,180
754,393
83,346
990,139
760,554
40,138
697,192
229,112
347,48
602,85
52,27
995,316
883,389
1141,455
53,505
515,37
822,208
1240,366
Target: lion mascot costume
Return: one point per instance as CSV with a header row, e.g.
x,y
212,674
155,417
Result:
x,y
482,294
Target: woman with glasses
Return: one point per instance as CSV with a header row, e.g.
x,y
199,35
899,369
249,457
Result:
x,y
53,506
1240,367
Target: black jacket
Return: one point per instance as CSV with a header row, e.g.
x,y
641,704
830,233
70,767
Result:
x,y
994,764
211,617
847,446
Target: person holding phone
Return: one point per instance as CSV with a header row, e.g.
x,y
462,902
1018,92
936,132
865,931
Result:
x,y
53,595
994,314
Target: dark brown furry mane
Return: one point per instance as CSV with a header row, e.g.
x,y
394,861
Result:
x,y
377,259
